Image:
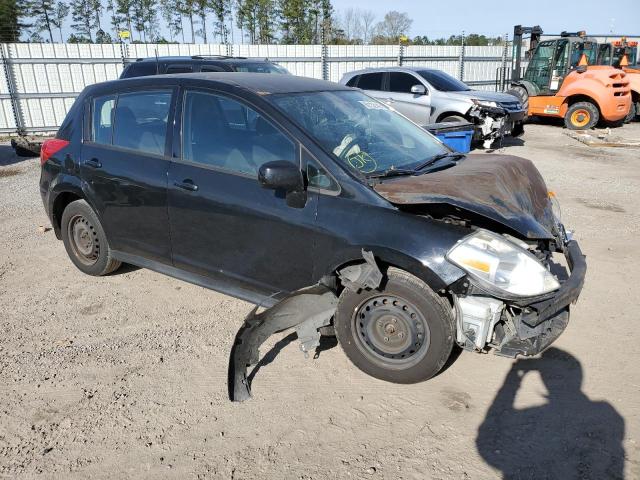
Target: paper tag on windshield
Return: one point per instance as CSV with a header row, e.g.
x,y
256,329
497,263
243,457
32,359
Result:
x,y
371,105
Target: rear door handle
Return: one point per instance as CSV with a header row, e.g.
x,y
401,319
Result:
x,y
93,163
187,184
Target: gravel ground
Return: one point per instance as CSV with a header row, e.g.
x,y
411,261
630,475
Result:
x,y
125,376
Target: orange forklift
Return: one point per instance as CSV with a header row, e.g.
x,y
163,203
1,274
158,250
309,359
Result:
x,y
562,80
623,54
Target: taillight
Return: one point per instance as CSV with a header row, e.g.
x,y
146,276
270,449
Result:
x,y
50,147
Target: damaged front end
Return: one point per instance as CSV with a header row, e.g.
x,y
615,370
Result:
x,y
511,325
493,122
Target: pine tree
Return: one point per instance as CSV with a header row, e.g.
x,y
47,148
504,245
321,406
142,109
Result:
x,y
84,18
11,19
42,12
121,15
221,10
201,8
60,13
171,14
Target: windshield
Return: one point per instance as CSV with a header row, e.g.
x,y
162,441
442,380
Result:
x,y
260,68
364,134
443,81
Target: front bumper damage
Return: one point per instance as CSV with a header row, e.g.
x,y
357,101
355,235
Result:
x,y
518,327
493,123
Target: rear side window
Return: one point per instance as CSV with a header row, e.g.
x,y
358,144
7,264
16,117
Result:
x,y
402,82
179,69
140,69
371,81
221,132
102,121
211,68
132,120
353,81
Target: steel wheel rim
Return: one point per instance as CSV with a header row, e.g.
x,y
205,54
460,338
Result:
x,y
580,117
391,331
84,240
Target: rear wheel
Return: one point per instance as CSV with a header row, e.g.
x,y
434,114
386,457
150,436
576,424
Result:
x,y
401,332
85,240
581,116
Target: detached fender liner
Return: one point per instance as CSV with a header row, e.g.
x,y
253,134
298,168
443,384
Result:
x,y
307,310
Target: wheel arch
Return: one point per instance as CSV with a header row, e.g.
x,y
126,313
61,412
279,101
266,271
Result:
x,y
449,113
63,198
386,258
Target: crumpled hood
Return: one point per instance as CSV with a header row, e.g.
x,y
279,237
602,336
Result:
x,y
502,188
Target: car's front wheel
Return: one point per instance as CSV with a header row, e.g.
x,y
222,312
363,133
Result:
x,y
85,240
402,332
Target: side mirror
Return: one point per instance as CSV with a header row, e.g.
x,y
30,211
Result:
x,y
281,174
418,90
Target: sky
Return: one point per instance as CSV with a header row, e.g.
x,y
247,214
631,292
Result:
x,y
438,18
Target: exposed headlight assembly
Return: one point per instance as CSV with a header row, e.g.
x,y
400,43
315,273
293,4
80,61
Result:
x,y
495,260
484,103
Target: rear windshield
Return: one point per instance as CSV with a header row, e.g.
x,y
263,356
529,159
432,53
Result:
x,y
443,81
260,68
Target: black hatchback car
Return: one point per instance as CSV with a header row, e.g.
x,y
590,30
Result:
x,y
261,185
199,64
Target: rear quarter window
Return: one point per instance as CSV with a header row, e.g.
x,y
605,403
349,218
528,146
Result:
x,y
353,81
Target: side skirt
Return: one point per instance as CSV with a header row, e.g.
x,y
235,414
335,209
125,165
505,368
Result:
x,y
220,283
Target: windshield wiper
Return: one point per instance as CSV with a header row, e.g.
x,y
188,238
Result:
x,y
391,172
439,156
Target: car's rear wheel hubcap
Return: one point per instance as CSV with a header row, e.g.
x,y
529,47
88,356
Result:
x,y
84,240
391,330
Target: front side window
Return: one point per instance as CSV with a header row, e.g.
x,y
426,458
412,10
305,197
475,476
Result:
x,y
362,133
221,132
102,119
140,121
443,81
402,82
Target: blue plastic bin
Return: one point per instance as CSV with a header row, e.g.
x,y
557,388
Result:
x,y
455,135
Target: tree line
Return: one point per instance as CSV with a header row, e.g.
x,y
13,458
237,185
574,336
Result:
x,y
208,21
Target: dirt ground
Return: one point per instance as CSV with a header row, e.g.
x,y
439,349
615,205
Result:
x,y
125,376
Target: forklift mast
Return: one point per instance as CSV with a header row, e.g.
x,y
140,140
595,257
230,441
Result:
x,y
518,32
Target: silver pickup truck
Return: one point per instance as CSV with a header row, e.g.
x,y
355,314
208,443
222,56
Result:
x,y
427,95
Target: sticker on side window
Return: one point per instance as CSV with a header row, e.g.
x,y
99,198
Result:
x,y
371,105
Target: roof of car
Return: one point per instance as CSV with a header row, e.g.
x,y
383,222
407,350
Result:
x,y
203,58
391,69
259,83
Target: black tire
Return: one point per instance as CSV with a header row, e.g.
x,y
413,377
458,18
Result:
x,y
581,116
521,94
454,119
633,111
425,319
85,240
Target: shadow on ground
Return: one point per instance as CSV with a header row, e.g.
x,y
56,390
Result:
x,y
9,157
569,437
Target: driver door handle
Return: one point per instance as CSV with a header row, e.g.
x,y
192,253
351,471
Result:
x,y
93,163
187,184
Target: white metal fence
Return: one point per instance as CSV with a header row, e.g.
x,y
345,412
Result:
x,y
39,81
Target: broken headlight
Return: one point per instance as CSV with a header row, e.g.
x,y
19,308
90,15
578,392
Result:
x,y
493,259
484,103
